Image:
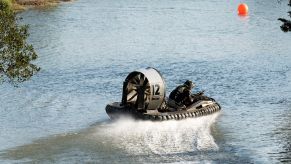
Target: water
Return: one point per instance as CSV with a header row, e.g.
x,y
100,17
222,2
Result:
x,y
86,49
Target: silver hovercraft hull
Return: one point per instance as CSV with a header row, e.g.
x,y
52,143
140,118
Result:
x,y
198,109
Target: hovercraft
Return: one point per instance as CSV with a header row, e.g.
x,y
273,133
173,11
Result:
x,y
144,97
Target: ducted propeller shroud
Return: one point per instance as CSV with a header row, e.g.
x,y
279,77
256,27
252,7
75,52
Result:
x,y
144,89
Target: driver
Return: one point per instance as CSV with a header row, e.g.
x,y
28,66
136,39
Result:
x,y
181,96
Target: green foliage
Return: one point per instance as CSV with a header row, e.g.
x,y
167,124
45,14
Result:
x,y
5,4
15,53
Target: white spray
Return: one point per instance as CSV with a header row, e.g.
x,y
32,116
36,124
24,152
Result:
x,y
139,137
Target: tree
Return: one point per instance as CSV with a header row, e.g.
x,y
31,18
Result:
x,y
15,53
286,26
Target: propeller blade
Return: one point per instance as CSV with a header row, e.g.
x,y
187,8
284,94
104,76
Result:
x,y
146,97
137,79
132,97
131,90
147,92
145,83
141,79
134,80
131,87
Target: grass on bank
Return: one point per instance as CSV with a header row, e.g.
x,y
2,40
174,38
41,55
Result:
x,y
19,5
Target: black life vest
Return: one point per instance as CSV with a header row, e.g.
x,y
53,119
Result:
x,y
180,94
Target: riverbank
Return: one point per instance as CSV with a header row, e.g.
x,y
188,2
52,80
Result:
x,y
19,5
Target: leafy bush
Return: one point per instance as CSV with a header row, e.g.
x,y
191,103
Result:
x,y
5,4
15,53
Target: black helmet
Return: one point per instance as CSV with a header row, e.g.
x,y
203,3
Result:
x,y
189,84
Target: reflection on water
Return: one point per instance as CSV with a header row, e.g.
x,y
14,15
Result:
x,y
283,137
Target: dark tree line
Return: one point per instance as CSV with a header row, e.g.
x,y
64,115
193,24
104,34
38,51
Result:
x,y
286,26
15,53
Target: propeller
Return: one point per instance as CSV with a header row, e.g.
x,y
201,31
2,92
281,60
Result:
x,y
136,82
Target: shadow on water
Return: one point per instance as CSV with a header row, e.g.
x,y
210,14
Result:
x,y
128,141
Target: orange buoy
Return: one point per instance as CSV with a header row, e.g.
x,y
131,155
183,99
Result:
x,y
243,9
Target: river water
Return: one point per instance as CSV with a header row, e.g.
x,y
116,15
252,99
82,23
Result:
x,y
86,48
